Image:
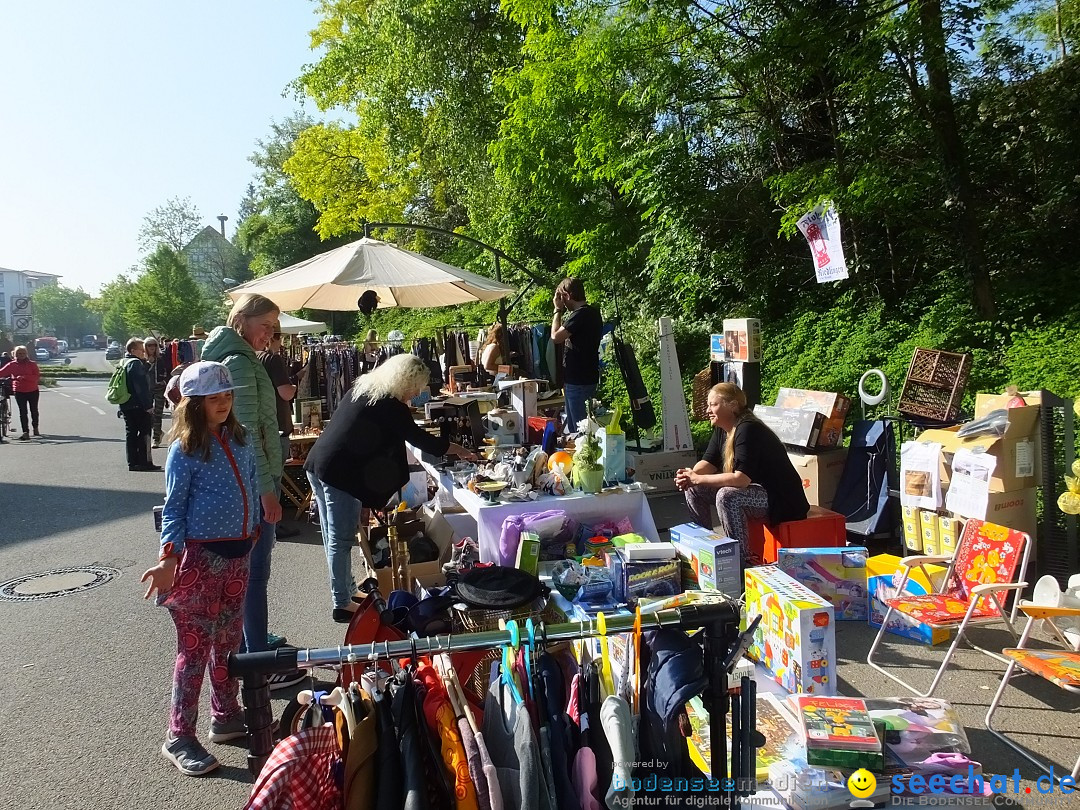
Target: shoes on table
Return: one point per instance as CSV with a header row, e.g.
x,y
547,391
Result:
x,y
283,680
188,755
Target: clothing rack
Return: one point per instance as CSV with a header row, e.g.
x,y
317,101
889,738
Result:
x,y
722,649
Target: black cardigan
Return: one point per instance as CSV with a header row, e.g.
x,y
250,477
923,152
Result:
x,y
362,450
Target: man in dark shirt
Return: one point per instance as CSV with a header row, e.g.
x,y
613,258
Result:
x,y
278,372
577,325
138,411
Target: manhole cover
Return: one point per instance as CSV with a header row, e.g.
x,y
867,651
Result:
x,y
58,582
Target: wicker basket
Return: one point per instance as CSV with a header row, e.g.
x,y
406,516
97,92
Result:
x,y
474,620
935,384
699,393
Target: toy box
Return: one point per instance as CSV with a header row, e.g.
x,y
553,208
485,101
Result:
x,y
883,574
716,561
912,529
796,638
742,339
717,348
793,427
643,579
835,574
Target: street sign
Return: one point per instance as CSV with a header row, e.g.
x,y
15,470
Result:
x,y
21,305
21,323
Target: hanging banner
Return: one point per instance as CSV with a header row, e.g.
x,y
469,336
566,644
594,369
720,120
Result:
x,y
822,232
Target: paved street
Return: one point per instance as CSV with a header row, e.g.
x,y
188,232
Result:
x,y
86,676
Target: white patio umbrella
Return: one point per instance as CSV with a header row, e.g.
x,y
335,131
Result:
x,y
335,280
294,326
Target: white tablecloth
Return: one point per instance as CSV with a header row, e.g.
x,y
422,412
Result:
x,y
585,508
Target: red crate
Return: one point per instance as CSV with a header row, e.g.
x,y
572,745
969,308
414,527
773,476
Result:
x,y
822,528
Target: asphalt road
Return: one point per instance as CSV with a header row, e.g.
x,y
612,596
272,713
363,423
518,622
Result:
x,y
86,676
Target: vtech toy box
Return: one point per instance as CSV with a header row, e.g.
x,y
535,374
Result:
x,y
796,639
835,574
715,560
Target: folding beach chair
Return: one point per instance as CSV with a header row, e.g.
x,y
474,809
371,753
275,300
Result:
x,y
990,561
1060,667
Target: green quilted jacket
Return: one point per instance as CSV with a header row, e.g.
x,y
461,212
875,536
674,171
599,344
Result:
x,y
254,400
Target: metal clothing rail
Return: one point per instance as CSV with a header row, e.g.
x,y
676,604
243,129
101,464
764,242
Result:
x,y
720,620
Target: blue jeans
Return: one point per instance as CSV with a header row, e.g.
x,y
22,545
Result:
x,y
575,403
256,610
339,514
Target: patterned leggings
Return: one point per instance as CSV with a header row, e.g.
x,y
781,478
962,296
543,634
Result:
x,y
734,505
207,604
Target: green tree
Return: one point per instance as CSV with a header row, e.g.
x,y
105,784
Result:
x,y
111,307
164,300
62,310
172,224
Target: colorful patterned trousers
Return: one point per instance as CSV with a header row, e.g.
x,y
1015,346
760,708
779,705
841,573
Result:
x,y
734,505
206,604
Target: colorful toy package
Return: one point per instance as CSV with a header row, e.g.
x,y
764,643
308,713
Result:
x,y
923,735
714,560
883,575
836,574
796,638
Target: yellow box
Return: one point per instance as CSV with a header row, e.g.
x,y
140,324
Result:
x,y
912,529
949,529
930,541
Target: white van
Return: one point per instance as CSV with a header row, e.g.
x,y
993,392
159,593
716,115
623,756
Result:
x,y
62,344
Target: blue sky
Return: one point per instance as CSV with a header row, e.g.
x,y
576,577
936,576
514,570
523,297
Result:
x,y
111,108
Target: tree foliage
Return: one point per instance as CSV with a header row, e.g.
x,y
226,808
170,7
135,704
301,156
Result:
x,y
172,224
164,300
64,311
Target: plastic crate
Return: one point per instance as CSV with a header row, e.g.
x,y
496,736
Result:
x,y
935,384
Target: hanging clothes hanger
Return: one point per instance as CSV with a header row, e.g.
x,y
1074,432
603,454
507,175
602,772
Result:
x,y
605,656
634,704
509,654
530,657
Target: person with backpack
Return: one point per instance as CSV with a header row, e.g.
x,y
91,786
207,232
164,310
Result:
x,y
130,389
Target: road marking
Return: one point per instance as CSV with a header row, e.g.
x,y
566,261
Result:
x,y
64,395
80,401
98,410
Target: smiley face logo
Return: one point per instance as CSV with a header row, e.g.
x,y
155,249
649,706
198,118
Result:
x,y
862,783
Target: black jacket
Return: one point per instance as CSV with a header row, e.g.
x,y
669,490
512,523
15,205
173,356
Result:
x,y
138,385
362,450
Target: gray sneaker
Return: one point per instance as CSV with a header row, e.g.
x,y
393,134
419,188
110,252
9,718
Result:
x,y
227,730
188,755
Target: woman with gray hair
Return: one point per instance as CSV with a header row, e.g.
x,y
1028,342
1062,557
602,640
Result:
x,y
360,461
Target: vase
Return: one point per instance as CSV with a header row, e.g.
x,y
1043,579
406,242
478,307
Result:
x,y
589,480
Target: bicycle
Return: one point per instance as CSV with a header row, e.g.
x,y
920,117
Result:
x,y
5,407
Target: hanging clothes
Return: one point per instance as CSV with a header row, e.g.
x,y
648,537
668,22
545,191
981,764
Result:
x,y
440,721
361,776
514,750
674,668
558,724
302,773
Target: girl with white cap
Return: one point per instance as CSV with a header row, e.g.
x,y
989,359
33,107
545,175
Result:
x,y
209,525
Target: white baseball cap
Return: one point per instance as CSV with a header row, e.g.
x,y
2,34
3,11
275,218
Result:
x,y
204,378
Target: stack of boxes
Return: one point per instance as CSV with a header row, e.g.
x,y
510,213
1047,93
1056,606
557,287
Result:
x,y
736,356
1013,485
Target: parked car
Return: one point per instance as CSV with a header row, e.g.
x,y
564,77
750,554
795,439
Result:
x,y
88,341
114,352
63,344
49,344
41,353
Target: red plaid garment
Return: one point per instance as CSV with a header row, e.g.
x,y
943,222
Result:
x,y
300,774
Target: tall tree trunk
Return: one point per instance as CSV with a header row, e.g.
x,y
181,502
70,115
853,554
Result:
x,y
953,155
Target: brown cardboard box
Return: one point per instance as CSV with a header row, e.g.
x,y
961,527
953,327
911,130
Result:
x,y
658,469
984,403
742,339
1016,452
820,474
834,407
1015,509
794,427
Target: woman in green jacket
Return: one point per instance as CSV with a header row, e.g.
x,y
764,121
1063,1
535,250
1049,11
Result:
x,y
251,325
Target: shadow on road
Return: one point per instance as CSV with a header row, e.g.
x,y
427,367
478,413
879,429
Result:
x,y
53,438
33,511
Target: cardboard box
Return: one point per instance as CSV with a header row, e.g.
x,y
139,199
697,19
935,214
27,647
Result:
x,y
794,427
948,533
928,526
1016,510
883,574
834,407
643,580
716,560
1016,452
658,469
748,377
912,529
717,348
742,339
835,574
796,638
820,474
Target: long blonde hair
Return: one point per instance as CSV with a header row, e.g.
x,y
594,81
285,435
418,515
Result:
x,y
189,426
249,305
734,395
400,375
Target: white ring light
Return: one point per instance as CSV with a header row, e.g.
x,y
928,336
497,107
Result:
x,y
873,399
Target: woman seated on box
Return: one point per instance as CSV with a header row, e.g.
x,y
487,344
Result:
x,y
745,471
